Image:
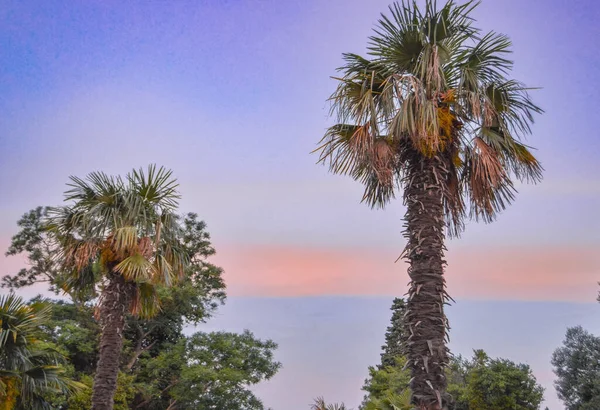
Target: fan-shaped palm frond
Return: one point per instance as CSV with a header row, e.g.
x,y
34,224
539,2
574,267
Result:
x,y
29,371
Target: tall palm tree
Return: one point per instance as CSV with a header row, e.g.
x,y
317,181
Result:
x,y
29,370
124,236
432,112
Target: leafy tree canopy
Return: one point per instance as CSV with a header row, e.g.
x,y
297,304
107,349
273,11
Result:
x,y
161,366
493,384
577,367
480,383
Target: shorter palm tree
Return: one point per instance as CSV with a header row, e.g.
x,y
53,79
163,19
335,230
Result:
x,y
29,371
122,239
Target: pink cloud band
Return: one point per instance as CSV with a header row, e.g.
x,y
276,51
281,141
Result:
x,y
554,274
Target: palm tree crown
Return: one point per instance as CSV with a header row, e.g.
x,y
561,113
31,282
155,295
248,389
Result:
x,y
122,227
433,86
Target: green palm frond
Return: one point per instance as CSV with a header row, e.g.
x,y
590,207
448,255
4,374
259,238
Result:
x,y
135,268
399,40
19,326
163,270
51,377
98,187
483,63
156,186
514,106
28,370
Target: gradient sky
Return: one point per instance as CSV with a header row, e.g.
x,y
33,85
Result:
x,y
232,96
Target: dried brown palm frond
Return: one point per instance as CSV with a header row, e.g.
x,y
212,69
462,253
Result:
x,y
490,188
80,253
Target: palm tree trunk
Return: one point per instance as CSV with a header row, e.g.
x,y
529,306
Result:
x,y
114,305
425,321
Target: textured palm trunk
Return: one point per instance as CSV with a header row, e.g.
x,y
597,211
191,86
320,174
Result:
x,y
425,320
112,311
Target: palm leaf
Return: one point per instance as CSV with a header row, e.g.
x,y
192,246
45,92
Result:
x,y
135,268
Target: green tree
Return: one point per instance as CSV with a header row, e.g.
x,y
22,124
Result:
x,y
577,368
457,374
431,111
213,371
194,299
30,369
481,383
477,384
499,384
395,336
41,250
204,370
387,387
387,384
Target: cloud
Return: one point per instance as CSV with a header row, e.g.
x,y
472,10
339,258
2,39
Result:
x,y
544,274
551,273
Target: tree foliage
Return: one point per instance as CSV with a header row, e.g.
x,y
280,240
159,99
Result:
x,y
35,241
203,370
215,370
125,230
387,387
388,382
31,369
493,384
433,84
577,367
395,335
120,240
479,383
160,365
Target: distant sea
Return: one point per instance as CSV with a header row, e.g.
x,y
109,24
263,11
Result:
x,y
327,343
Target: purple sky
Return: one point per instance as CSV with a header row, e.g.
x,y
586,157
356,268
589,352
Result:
x,y
232,96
